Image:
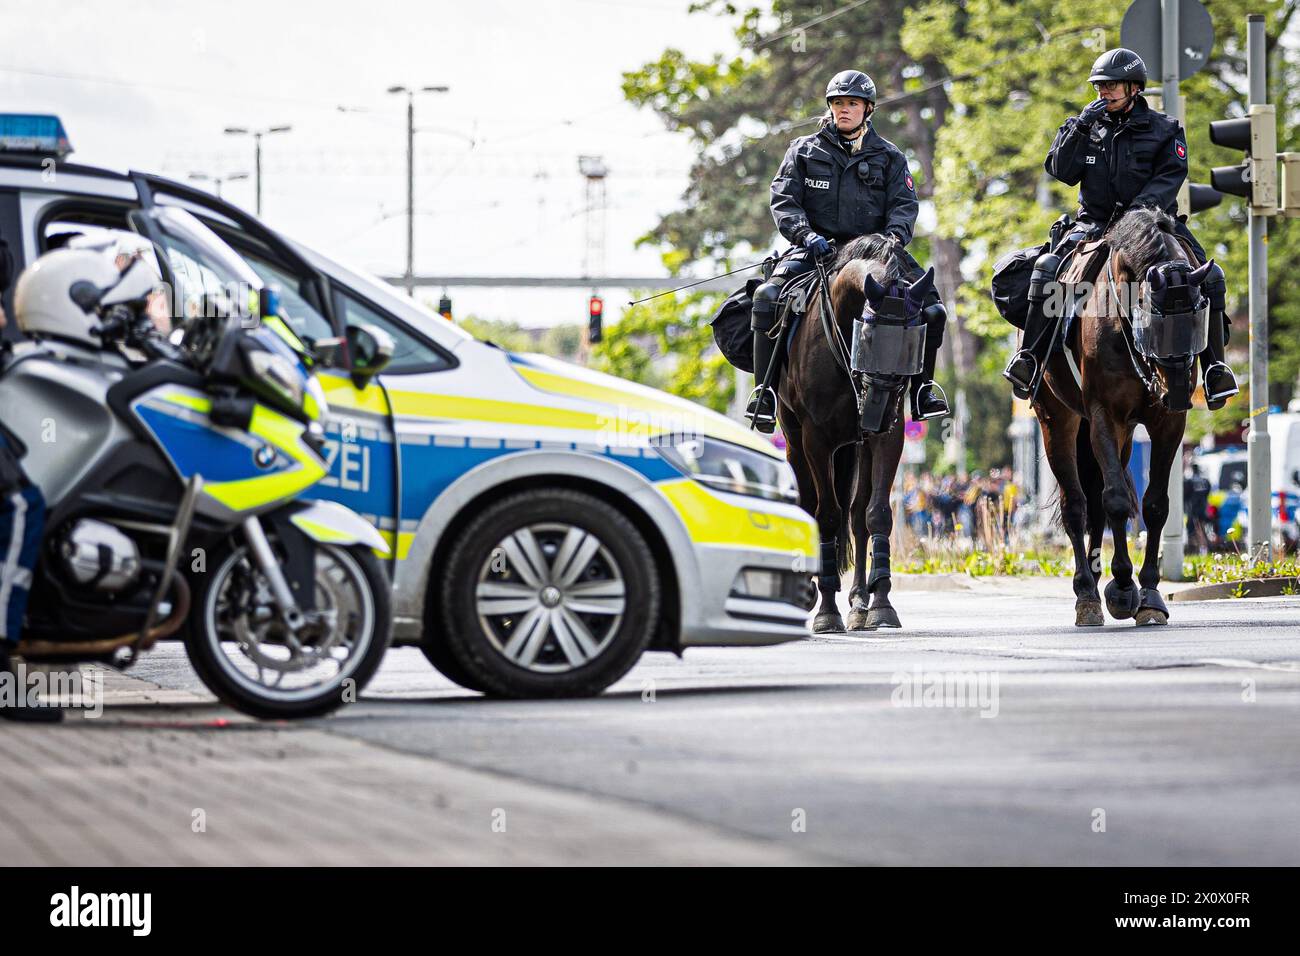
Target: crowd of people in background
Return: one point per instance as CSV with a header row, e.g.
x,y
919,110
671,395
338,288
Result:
x,y
980,505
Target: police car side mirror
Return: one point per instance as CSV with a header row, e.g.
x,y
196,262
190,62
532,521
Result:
x,y
371,349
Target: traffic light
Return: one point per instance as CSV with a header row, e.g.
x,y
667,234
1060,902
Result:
x,y
1199,198
1290,191
595,310
444,307
1256,178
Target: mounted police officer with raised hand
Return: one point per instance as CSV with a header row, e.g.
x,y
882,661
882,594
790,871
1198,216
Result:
x,y
834,185
1122,154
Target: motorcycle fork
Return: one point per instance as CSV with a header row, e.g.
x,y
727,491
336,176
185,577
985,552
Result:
x,y
266,562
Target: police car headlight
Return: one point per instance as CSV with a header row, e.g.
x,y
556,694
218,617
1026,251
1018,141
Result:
x,y
727,467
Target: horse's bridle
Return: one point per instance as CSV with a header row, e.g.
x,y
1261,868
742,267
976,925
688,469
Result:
x,y
1144,371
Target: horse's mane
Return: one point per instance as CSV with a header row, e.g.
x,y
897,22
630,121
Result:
x,y
1142,239
873,248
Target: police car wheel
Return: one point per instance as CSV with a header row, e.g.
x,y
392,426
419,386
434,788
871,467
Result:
x,y
548,593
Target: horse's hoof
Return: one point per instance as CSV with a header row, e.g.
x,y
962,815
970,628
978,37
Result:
x,y
882,617
859,620
1152,608
1150,615
828,622
1088,614
1122,603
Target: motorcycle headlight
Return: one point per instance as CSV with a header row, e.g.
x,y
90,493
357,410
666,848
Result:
x,y
728,467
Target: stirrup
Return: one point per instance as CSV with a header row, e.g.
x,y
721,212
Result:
x,y
938,393
1222,396
1021,389
758,418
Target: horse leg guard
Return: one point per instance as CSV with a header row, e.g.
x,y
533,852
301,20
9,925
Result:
x,y
1122,602
881,613
1151,608
828,620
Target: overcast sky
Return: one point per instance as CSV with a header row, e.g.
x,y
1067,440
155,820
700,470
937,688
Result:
x,y
151,85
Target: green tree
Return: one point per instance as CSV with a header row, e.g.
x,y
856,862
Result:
x,y
667,343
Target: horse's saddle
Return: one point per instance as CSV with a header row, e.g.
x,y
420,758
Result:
x,y
1081,267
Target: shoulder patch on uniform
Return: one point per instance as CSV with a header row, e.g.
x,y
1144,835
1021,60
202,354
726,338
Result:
x,y
1181,150
910,184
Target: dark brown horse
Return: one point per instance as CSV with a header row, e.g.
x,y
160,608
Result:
x,y
845,477
1088,420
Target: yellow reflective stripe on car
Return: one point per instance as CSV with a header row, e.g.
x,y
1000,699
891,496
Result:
x,y
464,408
341,393
403,544
674,418
711,520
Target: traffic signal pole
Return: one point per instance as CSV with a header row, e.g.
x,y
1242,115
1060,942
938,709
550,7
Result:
x,y
1259,468
1171,541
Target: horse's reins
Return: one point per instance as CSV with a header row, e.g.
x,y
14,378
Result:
x,y
831,328
721,275
1144,372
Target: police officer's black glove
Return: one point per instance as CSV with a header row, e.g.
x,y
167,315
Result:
x,y
817,245
1092,112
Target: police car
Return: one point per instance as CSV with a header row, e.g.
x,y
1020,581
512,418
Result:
x,y
548,523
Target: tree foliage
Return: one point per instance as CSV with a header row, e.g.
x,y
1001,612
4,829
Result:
x,y
973,91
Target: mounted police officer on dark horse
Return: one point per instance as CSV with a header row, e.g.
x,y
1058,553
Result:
x,y
842,182
1122,154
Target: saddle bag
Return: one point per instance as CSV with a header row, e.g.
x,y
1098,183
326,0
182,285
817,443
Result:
x,y
1010,285
731,326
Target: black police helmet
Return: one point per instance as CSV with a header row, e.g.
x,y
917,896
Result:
x,y
1119,65
851,83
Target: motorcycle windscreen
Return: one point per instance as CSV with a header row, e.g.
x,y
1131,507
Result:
x,y
1171,335
887,346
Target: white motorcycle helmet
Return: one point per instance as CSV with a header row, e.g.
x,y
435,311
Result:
x,y
57,295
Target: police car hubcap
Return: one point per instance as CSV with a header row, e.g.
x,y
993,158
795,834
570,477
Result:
x,y
550,597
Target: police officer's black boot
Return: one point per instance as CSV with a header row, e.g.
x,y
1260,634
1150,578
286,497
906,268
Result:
x,y
14,704
762,401
928,399
1220,383
761,410
1024,371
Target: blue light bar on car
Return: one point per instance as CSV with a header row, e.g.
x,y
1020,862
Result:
x,y
36,133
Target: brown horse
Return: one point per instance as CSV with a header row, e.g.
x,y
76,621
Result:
x,y
819,415
1087,421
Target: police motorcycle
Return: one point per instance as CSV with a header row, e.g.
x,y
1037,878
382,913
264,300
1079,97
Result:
x,y
170,470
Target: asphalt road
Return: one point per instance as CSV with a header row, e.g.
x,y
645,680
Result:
x,y
1174,745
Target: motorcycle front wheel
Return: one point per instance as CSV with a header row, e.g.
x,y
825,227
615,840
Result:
x,y
245,654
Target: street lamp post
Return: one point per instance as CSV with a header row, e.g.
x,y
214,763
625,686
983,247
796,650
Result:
x,y
257,135
218,180
410,176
